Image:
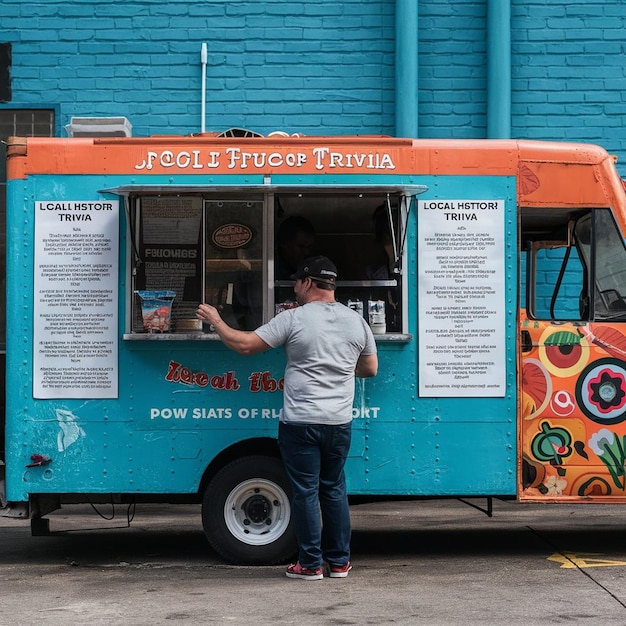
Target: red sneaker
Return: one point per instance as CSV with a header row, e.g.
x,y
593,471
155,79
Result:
x,y
297,571
339,571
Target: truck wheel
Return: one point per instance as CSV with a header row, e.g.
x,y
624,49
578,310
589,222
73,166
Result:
x,y
246,514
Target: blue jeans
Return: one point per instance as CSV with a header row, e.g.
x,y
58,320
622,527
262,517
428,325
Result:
x,y
314,456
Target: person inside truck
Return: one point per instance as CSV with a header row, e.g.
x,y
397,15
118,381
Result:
x,y
384,268
294,241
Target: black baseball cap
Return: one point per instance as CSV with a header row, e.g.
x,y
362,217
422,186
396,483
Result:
x,y
318,267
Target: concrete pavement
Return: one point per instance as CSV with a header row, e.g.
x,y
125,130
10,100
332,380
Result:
x,y
438,562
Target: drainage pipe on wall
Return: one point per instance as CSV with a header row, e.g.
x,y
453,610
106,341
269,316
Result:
x,y
499,69
406,69
203,62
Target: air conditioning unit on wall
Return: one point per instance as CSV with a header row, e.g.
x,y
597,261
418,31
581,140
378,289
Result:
x,y
99,127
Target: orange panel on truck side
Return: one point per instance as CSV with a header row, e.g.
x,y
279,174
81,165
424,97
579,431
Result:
x,y
580,175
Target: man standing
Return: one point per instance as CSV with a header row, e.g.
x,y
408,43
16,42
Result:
x,y
327,345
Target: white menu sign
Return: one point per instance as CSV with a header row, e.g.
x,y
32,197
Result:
x,y
75,300
461,295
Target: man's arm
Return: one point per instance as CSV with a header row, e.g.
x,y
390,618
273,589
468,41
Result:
x,y
241,341
366,366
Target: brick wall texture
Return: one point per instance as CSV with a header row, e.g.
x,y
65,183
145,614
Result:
x,y
317,67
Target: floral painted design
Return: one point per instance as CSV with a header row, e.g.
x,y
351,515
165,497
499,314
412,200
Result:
x,y
551,444
572,417
601,391
554,486
608,391
563,352
537,388
610,450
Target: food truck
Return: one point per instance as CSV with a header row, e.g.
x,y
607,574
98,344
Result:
x,y
498,304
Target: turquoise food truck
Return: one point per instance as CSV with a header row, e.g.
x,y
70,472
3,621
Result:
x,y
497,308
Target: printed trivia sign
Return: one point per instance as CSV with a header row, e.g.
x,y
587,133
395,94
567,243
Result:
x,y
75,297
462,296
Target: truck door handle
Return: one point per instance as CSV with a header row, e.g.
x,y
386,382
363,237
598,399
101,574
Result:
x,y
527,342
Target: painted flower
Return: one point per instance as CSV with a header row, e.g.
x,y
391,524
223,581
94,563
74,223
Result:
x,y
607,392
611,450
554,486
604,437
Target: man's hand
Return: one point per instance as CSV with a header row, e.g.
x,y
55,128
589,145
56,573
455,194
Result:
x,y
209,314
240,341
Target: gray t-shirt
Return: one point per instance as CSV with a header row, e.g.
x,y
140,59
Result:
x,y
323,341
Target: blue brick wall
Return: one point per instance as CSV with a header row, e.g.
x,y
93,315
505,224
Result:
x,y
452,69
569,72
314,67
548,265
318,67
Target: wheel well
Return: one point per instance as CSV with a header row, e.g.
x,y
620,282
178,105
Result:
x,y
262,445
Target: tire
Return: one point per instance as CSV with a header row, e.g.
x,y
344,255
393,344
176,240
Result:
x,y
246,514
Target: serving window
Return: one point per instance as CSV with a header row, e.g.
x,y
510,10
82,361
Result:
x,y
238,251
234,260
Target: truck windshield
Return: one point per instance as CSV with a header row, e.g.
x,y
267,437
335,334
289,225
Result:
x,y
602,247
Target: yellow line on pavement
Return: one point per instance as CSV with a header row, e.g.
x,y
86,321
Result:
x,y
571,560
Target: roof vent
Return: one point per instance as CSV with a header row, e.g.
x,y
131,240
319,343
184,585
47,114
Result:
x,y
99,127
